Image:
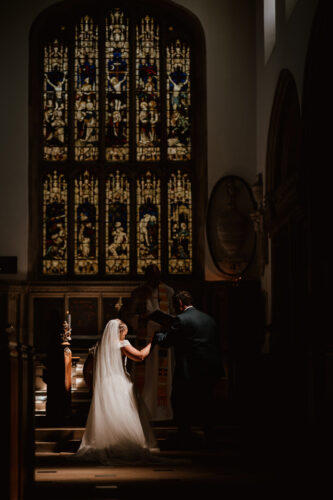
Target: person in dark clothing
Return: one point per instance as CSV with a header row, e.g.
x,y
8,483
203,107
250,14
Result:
x,y
198,366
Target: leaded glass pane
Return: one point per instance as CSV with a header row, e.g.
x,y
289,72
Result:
x,y
55,100
148,221
178,101
117,87
179,224
86,224
86,90
117,230
55,224
148,133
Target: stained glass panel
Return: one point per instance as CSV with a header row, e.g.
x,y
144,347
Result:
x,y
178,101
117,87
55,102
117,231
86,224
55,224
86,90
148,133
148,221
179,224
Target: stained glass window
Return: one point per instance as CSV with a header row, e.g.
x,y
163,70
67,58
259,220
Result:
x,y
55,224
117,87
86,224
148,131
179,224
117,212
86,90
116,117
148,222
178,101
55,102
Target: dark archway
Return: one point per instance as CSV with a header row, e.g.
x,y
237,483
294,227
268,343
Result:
x,y
286,217
284,134
286,224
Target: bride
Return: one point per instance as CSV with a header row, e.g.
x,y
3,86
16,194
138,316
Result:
x,y
118,428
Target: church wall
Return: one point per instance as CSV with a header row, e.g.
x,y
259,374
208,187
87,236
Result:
x,y
229,28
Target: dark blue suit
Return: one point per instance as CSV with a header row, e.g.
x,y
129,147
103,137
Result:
x,y
198,366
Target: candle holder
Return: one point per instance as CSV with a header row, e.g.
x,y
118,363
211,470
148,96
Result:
x,y
66,334
66,366
119,304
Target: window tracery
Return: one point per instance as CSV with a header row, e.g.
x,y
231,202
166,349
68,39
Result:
x,y
117,114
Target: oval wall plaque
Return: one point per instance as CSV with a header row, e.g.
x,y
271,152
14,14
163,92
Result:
x,y
230,230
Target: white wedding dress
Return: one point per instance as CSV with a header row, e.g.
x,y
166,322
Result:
x,y
118,430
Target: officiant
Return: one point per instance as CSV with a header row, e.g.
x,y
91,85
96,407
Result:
x,y
153,377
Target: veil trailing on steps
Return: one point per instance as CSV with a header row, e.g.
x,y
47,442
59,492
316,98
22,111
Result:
x,y
117,428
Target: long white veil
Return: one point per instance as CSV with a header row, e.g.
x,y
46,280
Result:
x,y
113,428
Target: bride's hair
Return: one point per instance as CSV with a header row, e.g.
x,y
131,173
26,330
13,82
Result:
x,y
122,327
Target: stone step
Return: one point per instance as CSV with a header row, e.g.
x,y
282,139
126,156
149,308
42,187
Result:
x,y
70,446
67,439
75,433
67,446
161,431
44,434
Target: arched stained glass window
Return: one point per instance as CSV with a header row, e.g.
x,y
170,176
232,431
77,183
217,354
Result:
x,y
117,83
86,224
148,134
148,221
178,101
118,221
122,146
55,217
55,97
179,224
86,90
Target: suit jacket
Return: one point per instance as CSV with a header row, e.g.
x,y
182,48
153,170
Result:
x,y
194,337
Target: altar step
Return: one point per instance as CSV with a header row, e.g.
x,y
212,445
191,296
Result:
x,y
57,440
52,440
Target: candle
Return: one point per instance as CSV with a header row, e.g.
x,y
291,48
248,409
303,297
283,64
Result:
x,y
69,319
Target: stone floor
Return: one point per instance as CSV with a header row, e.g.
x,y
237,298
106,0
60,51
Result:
x,y
236,461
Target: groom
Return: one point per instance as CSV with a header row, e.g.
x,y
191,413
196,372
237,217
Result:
x,y
198,366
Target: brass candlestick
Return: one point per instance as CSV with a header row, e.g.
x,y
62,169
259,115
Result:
x,y
66,334
66,338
